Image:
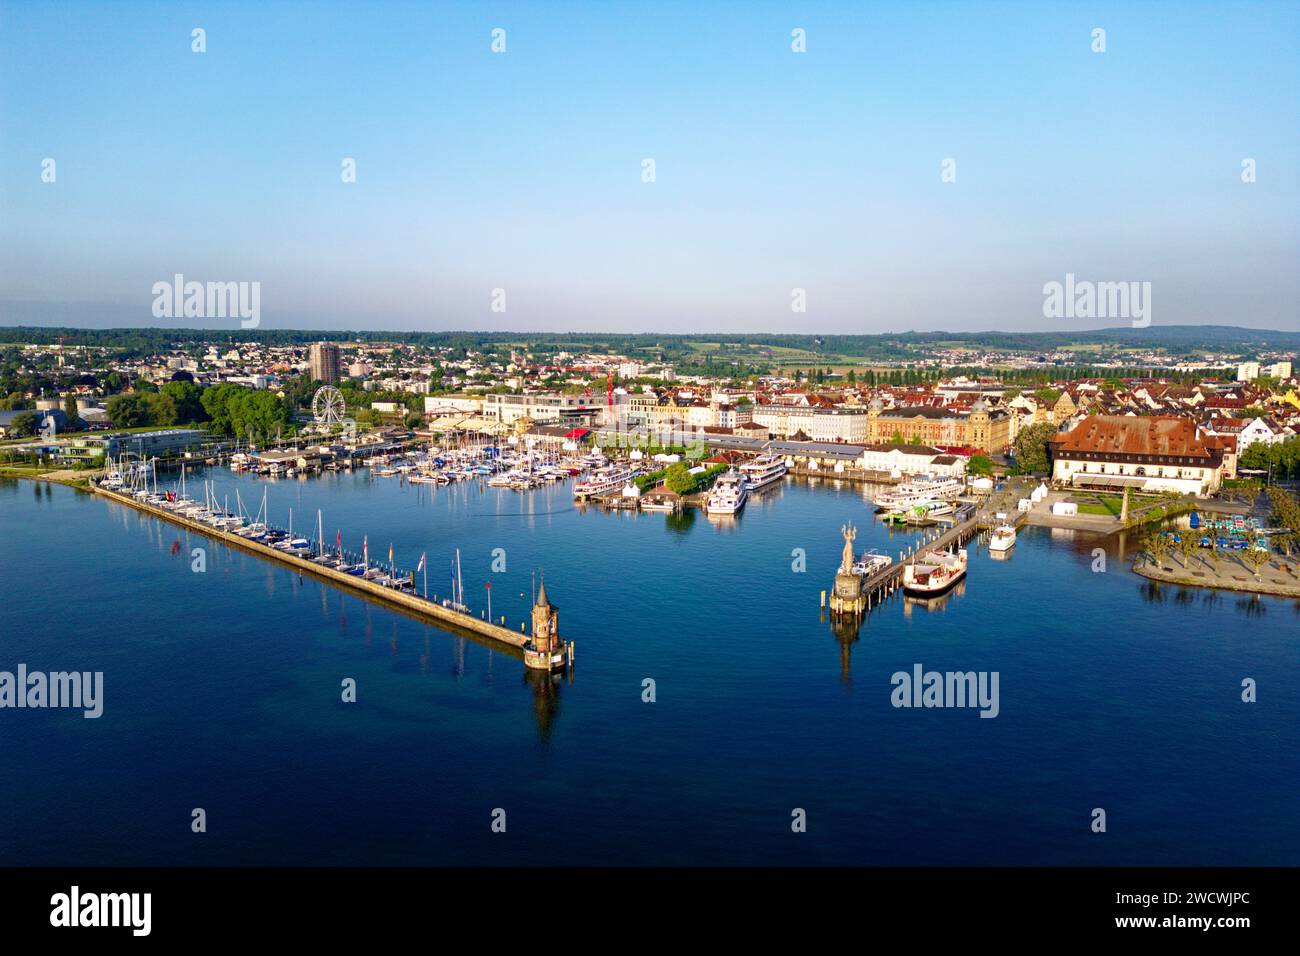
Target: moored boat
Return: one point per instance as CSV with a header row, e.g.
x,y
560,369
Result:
x,y
932,572
1003,538
728,494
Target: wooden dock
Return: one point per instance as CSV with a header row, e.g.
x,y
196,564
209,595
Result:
x,y
409,604
885,582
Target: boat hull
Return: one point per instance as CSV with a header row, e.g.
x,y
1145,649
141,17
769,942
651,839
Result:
x,y
929,590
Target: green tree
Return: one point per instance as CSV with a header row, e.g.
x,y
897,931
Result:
x,y
1031,448
22,425
187,399
162,409
70,409
129,410
980,465
679,479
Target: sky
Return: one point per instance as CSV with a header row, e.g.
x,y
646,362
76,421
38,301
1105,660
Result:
x,y
774,170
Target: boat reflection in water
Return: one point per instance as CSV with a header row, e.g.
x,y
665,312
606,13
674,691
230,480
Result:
x,y
938,603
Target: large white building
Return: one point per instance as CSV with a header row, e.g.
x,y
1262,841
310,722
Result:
x,y
508,408
1157,453
895,459
816,424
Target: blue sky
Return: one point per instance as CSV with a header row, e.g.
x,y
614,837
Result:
x,y
775,170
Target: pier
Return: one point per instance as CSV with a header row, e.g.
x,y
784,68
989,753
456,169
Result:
x,y
410,604
877,588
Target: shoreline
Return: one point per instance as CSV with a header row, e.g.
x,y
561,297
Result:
x,y
1183,577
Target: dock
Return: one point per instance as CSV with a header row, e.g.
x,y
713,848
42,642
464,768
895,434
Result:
x,y
410,604
969,523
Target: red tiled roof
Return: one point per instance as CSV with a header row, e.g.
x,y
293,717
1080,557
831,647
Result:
x,y
1130,435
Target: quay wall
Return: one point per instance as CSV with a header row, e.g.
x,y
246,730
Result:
x,y
376,593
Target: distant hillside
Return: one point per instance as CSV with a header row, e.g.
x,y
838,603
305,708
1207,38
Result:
x,y
1178,340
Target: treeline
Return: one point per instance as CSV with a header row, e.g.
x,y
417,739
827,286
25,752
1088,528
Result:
x,y
1282,460
887,345
225,409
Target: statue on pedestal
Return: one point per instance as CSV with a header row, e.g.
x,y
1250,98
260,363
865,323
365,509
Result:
x,y
850,535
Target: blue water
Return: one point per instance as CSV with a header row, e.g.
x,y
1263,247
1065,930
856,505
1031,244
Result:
x,y
222,691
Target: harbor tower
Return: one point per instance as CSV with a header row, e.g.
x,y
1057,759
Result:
x,y
545,650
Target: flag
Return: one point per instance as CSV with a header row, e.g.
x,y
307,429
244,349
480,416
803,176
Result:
x,y
338,539
390,552
365,549
420,566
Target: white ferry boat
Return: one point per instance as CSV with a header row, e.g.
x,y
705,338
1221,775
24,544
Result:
x,y
930,509
604,480
763,471
923,488
728,494
871,562
1003,538
932,572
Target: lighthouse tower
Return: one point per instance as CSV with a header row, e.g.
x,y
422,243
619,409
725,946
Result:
x,y
545,650
546,622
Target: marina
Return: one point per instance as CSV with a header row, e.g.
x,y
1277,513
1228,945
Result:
x,y
376,587
438,712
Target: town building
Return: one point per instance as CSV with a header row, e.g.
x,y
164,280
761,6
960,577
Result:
x,y
985,428
323,359
1157,453
564,409
814,423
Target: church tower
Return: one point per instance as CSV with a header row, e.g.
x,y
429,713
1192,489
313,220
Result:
x,y
978,434
874,409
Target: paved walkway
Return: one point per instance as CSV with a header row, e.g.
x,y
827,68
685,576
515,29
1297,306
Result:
x,y
1232,574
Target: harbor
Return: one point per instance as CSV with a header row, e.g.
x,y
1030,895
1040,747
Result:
x,y
551,654
710,609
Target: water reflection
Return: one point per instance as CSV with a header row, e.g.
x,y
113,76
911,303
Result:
x,y
1252,606
680,522
546,700
938,603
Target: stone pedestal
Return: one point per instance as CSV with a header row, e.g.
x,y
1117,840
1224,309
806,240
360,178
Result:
x,y
848,597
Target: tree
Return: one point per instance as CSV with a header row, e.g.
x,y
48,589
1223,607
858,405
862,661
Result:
x,y
128,410
162,409
1256,559
1031,448
1157,546
22,425
70,409
187,399
679,479
980,465
1187,546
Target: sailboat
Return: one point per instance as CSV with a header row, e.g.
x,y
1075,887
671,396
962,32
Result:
x,y
328,560
457,602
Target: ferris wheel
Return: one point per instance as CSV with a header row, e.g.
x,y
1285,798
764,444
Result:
x,y
327,406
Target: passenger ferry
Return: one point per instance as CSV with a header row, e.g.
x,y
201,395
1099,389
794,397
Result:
x,y
919,490
1003,539
728,494
603,480
871,562
933,572
763,471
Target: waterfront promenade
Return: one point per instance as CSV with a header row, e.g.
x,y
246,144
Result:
x,y
1280,579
